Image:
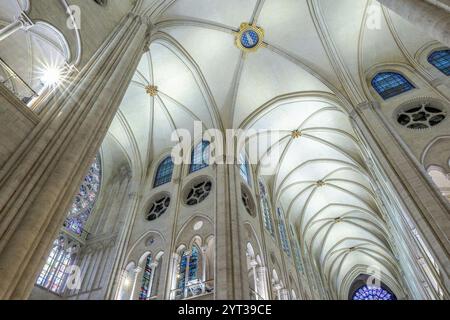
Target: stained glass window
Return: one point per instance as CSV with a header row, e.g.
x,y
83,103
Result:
x,y
200,157
85,200
193,269
164,172
265,204
282,231
373,293
390,84
441,60
146,278
244,168
53,276
182,273
297,251
193,264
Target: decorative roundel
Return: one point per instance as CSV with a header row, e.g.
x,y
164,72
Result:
x,y
249,37
422,116
158,207
198,192
247,201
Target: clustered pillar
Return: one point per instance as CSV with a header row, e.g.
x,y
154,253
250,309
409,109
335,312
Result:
x,y
38,182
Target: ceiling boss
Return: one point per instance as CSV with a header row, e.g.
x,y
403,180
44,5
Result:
x,y
249,38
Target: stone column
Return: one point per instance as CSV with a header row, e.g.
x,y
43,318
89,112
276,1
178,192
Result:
x,y
253,265
262,282
231,262
424,15
153,267
38,182
174,269
186,273
122,278
411,204
21,22
135,293
204,250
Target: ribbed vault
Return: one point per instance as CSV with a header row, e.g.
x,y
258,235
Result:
x,y
313,61
322,183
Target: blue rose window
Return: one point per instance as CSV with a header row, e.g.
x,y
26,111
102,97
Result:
x,y
373,293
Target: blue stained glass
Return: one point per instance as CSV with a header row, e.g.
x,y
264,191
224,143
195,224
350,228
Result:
x,y
297,251
193,268
373,293
244,169
145,287
265,204
164,172
85,200
441,60
193,264
53,276
390,84
249,39
200,157
283,233
182,272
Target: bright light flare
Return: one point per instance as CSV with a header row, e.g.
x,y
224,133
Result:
x,y
51,76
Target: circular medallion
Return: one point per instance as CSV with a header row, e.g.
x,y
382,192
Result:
x,y
249,37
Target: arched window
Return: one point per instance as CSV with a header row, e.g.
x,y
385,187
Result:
x,y
390,84
265,204
200,157
373,293
188,269
193,264
441,60
244,168
85,200
146,279
53,275
164,172
283,234
181,277
297,251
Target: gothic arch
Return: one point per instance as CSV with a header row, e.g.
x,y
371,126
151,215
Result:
x,y
437,153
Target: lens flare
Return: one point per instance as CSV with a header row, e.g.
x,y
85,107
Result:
x,y
51,76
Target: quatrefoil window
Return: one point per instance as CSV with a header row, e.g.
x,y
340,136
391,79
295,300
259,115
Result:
x,y
158,207
423,116
198,192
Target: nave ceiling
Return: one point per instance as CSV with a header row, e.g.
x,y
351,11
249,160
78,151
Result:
x,y
311,67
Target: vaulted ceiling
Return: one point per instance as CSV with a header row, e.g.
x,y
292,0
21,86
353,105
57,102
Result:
x,y
311,67
309,46
313,62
